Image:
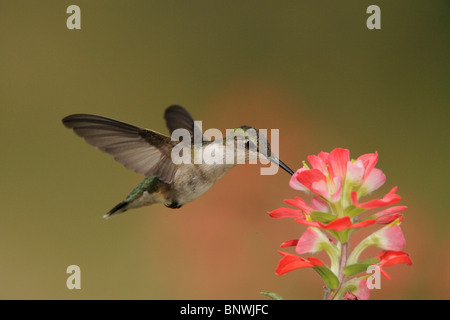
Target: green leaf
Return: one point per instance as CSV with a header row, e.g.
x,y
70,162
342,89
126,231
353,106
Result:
x,y
273,295
343,235
359,267
352,211
370,260
330,279
322,216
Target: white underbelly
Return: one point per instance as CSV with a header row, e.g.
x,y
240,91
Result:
x,y
189,194
193,181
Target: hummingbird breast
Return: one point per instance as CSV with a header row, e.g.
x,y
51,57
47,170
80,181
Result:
x,y
193,180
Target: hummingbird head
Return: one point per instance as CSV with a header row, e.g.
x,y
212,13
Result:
x,y
255,143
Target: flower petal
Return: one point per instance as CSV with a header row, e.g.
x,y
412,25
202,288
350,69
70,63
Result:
x,y
324,156
286,213
387,200
390,258
317,163
315,181
390,214
361,292
338,224
354,197
289,243
316,261
364,223
391,218
369,161
337,189
299,203
295,184
373,181
319,204
384,273
355,172
338,159
390,238
291,262
308,223
312,241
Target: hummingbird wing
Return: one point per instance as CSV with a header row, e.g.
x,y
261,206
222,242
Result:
x,y
178,118
144,151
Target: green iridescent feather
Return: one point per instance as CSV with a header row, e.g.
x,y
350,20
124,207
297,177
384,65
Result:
x,y
150,184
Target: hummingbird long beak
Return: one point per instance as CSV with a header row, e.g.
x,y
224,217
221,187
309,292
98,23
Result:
x,y
282,165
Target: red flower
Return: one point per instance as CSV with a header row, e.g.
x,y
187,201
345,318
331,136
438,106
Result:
x,y
331,170
388,238
338,224
387,200
335,162
291,262
286,213
390,258
390,214
292,213
312,240
300,204
318,183
373,178
326,176
289,243
337,184
360,291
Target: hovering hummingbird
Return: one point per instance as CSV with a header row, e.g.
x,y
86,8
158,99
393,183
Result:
x,y
149,152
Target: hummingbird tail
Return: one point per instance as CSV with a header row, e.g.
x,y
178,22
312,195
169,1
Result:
x,y
119,208
146,193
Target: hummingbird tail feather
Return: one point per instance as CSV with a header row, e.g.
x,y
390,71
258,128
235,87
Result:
x,y
145,194
119,208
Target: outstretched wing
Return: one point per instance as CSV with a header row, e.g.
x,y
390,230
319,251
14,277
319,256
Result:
x,y
144,151
178,118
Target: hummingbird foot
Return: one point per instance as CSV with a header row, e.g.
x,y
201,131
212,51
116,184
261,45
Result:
x,y
173,205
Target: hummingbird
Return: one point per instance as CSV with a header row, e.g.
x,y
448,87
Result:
x,y
149,153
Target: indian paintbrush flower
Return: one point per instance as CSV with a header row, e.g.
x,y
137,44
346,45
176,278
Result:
x,y
338,184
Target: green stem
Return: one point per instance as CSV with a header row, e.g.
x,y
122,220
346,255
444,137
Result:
x,y
333,253
354,256
336,208
343,261
341,275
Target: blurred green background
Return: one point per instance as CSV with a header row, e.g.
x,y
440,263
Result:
x,y
309,68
